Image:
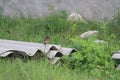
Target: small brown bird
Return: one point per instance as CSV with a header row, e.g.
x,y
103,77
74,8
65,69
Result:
x,y
46,40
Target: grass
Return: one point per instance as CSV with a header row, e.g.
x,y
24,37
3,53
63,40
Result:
x,y
38,70
61,32
41,70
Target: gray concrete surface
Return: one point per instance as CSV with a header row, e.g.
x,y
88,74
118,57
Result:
x,y
90,9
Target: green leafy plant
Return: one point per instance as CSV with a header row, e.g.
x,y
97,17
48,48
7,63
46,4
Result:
x,y
90,55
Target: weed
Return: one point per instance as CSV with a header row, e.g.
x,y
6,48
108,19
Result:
x,y
91,61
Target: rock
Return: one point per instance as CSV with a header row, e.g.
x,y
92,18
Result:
x,y
100,41
75,17
88,34
118,67
116,55
116,58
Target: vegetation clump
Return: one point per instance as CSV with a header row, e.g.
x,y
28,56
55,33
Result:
x,y
91,61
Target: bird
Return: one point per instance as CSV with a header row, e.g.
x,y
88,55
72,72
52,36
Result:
x,y
46,40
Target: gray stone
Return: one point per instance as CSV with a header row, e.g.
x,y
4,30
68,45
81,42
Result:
x,y
76,17
88,34
100,41
116,55
118,67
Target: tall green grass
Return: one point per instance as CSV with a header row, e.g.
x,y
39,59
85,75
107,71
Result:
x,y
99,66
38,70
